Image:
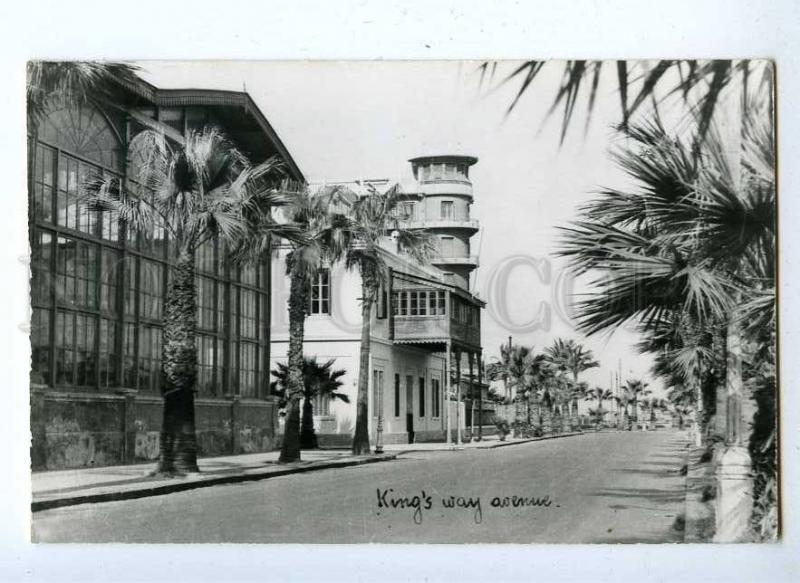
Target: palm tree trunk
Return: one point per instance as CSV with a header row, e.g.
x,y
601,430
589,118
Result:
x,y
178,445
290,450
308,437
361,436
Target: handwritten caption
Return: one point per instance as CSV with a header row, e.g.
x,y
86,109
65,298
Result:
x,y
418,504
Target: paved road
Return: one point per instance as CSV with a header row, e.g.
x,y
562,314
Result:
x,y
606,487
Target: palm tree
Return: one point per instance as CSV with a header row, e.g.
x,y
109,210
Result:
x,y
372,218
597,416
319,380
600,395
570,357
72,82
326,235
701,86
202,189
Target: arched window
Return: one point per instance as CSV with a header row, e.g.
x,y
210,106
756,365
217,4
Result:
x,y
82,130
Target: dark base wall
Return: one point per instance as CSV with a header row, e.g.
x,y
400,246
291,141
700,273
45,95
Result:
x,y
77,430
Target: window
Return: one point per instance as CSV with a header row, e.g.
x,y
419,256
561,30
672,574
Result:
x,y
319,301
377,391
75,354
407,211
40,347
205,365
76,273
397,395
247,313
247,369
41,252
435,398
43,184
204,259
149,358
151,289
129,357
418,303
422,396
446,209
82,130
446,247
108,279
206,303
107,363
437,171
322,405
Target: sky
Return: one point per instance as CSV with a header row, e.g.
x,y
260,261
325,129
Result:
x,y
365,119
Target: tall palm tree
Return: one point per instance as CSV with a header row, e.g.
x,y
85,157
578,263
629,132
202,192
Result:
x,y
326,234
199,190
319,380
373,217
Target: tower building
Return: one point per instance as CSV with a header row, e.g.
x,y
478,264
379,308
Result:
x,y
442,206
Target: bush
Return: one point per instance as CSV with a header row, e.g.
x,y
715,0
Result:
x,y
526,430
503,428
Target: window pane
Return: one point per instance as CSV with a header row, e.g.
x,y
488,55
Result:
x,y
108,354
76,272
108,279
149,358
205,362
247,369
41,253
43,183
40,347
247,314
151,289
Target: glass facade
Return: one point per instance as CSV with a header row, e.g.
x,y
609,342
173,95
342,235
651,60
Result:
x,y
98,290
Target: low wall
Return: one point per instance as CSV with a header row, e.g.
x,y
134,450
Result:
x,y
78,430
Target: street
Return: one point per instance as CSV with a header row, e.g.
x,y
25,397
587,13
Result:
x,y
592,488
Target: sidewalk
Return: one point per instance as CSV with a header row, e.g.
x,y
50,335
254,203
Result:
x,y
87,485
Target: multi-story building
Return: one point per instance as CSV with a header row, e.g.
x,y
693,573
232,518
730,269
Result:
x,y
97,290
426,341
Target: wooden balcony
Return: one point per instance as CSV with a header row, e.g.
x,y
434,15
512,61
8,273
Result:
x,y
435,330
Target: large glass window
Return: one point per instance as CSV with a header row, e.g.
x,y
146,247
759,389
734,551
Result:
x,y
206,303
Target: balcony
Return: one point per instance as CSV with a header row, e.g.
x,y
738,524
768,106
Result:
x,y
455,223
435,330
467,260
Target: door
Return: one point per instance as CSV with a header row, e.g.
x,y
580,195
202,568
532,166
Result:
x,y
410,408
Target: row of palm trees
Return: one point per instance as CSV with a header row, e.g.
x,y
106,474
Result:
x,y
205,189
550,379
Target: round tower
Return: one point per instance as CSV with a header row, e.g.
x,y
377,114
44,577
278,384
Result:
x,y
444,195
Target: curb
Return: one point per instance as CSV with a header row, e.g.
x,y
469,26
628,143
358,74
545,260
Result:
x,y
160,490
492,446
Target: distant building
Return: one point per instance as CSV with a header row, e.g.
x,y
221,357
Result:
x,y
97,291
425,314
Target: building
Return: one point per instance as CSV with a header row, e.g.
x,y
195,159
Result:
x,y
97,291
425,329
